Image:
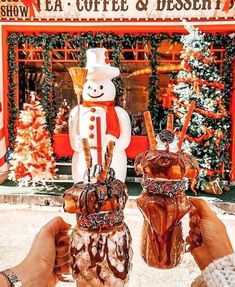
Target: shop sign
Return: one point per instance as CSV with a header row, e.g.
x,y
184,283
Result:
x,y
116,9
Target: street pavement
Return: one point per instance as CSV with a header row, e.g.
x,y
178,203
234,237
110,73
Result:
x,y
20,223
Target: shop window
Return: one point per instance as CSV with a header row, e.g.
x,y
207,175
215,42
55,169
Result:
x,y
135,73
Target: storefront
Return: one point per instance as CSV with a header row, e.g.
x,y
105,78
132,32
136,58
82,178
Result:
x,y
41,40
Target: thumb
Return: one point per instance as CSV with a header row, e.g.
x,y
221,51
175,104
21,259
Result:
x,y
203,209
56,226
199,255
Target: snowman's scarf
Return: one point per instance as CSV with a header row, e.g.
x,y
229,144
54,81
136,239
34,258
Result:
x,y
112,120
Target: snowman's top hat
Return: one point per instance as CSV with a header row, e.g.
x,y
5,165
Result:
x,y
98,66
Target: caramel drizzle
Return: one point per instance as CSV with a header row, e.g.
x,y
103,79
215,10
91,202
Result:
x,y
90,188
162,238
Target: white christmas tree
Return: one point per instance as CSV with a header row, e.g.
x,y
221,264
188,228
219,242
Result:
x,y
32,159
208,134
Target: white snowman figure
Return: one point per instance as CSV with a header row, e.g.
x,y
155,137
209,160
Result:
x,y
98,101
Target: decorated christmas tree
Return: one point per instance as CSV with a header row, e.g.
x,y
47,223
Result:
x,y
32,159
208,135
61,121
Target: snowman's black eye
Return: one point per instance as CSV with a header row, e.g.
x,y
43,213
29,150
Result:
x,y
101,87
89,87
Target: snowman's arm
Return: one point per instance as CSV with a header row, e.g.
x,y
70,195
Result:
x,y
125,129
74,137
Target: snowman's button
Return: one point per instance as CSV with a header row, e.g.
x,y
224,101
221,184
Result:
x,y
91,127
91,136
92,118
92,110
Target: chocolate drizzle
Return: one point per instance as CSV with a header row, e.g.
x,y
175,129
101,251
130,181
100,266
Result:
x,y
101,242
125,257
100,246
98,270
74,251
96,197
100,255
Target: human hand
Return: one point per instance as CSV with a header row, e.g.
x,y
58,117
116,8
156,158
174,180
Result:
x,y
208,239
49,256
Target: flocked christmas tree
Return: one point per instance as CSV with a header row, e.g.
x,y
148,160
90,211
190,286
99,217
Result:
x,y
208,135
62,117
32,159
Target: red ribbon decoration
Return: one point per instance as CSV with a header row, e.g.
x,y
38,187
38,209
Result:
x,y
32,5
227,5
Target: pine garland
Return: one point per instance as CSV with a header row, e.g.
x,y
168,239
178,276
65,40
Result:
x,y
83,41
13,111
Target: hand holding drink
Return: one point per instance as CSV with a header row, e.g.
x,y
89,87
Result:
x,y
101,242
163,202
